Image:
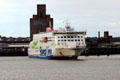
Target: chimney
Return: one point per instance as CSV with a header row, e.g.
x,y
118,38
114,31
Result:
x,y
98,34
106,34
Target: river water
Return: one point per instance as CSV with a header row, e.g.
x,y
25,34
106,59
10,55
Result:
x,y
85,68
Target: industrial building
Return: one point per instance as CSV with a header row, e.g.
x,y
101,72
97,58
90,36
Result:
x,y
102,45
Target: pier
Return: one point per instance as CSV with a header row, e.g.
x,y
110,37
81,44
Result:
x,y
14,48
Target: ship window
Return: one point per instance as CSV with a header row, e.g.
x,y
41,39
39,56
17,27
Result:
x,y
72,40
81,39
58,37
68,40
61,36
81,36
71,36
65,43
58,43
78,39
64,36
64,40
75,39
61,40
58,40
78,36
68,36
75,36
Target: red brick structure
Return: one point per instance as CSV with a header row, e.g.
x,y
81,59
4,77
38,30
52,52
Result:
x,y
39,22
106,39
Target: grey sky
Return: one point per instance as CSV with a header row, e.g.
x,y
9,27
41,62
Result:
x,y
89,15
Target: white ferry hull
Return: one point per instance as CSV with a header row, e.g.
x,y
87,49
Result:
x,y
63,44
57,53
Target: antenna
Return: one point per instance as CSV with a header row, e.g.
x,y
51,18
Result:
x,y
66,22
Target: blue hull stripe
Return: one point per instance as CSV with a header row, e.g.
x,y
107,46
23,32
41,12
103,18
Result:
x,y
50,57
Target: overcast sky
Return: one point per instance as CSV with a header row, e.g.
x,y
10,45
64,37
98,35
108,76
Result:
x,y
89,15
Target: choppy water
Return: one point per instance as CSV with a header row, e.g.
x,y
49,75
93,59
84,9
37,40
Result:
x,y
86,68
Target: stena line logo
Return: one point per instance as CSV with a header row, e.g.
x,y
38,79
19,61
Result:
x,y
34,44
45,52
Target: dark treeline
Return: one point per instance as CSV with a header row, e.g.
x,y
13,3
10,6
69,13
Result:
x,y
116,39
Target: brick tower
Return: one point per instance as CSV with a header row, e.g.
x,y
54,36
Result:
x,y
39,22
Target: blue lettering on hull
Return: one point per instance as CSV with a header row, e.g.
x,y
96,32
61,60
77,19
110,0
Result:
x,y
45,52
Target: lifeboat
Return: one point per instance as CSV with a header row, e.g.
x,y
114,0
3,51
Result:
x,y
45,39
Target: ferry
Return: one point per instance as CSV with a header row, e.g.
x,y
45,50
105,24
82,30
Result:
x,y
55,44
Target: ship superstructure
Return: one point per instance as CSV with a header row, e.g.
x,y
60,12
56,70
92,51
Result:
x,y
64,42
